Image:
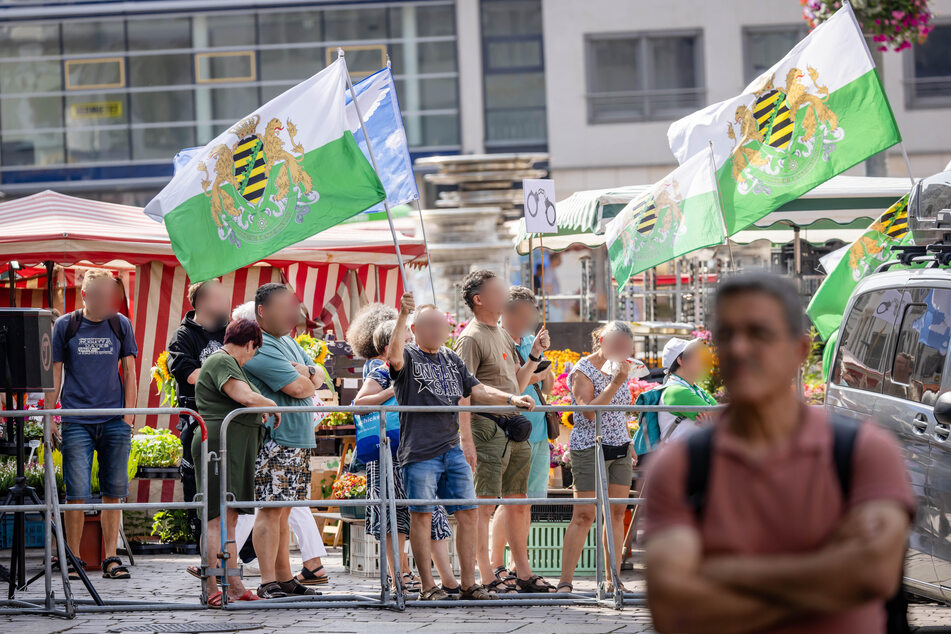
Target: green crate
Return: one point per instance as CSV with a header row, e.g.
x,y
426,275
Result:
x,y
545,542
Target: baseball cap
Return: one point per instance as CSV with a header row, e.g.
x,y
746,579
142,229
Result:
x,y
674,348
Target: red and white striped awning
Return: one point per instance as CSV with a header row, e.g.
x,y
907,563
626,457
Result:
x,y
67,230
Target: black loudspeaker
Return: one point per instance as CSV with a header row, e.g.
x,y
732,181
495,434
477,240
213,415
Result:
x,y
26,350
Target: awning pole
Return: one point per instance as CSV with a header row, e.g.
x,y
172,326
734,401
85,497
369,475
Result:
x,y
726,233
13,297
429,262
49,283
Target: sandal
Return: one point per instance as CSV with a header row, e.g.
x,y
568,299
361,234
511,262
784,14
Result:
x,y
214,601
295,587
509,579
308,577
610,588
478,592
433,594
563,585
271,590
194,571
453,593
411,582
116,572
71,572
248,596
535,583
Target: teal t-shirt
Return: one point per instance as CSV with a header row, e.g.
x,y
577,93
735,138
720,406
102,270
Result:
x,y
270,370
539,425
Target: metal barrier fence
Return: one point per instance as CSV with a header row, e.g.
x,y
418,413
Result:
x,y
387,504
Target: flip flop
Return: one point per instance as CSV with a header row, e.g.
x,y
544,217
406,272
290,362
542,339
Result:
x,y
248,596
193,571
214,601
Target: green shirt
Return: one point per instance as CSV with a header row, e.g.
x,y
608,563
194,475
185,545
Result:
x,y
270,370
213,403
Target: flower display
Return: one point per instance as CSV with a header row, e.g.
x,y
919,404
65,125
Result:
x,y
633,426
890,23
455,329
164,381
350,486
560,360
337,419
318,352
560,455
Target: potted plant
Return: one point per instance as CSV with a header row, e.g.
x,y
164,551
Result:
x,y
158,453
351,486
171,527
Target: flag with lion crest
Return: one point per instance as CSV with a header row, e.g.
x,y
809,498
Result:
x,y
286,172
814,114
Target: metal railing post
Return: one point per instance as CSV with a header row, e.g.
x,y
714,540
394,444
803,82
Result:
x,y
598,510
382,486
49,483
390,498
203,512
609,528
222,556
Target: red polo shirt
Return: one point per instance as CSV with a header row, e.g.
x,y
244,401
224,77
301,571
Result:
x,y
786,502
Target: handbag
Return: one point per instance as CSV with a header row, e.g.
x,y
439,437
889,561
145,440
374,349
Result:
x,y
552,419
368,433
615,452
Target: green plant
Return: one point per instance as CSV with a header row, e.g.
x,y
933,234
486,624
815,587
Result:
x,y
156,448
171,527
8,473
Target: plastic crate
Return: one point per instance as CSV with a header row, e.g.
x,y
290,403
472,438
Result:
x,y
545,543
364,552
35,534
551,512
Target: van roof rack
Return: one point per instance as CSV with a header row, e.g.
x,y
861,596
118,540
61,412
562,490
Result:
x,y
935,255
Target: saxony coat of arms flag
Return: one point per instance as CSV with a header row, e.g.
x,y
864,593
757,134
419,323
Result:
x,y
816,113
677,215
287,171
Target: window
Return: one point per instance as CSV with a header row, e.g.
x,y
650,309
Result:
x,y
763,46
94,37
513,62
928,70
922,346
643,77
865,340
84,74
231,66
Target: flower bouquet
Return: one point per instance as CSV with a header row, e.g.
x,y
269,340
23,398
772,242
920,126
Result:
x,y
164,381
561,458
350,486
318,352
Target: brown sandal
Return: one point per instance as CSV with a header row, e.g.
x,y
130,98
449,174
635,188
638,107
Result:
x,y
433,594
478,592
570,587
535,583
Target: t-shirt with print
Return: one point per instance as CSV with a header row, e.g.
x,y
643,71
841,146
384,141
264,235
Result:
x,y
91,365
439,380
489,354
270,370
786,502
539,423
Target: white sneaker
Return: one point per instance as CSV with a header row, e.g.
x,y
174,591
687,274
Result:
x,y
251,569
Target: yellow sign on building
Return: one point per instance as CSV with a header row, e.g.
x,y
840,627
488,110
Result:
x,y
96,110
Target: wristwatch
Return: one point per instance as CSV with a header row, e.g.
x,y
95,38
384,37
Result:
x,y
533,358
312,370
511,396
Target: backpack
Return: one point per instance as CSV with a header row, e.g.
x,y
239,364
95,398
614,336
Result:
x,y
76,320
650,422
844,432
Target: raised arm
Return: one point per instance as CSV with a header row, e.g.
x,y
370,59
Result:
x,y
394,353
683,601
526,374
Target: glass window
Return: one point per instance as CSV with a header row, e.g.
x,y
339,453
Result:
x,y
162,142
929,68
231,66
232,104
29,40
643,77
19,77
341,25
362,59
291,64
161,70
33,148
225,30
289,27
159,33
764,46
85,142
94,37
514,67
864,342
422,57
27,113
922,346
83,74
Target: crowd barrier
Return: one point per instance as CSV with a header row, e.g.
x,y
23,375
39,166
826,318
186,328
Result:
x,y
68,606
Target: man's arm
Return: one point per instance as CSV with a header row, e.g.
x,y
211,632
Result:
x,y
526,374
129,386
394,353
183,363
301,387
861,563
484,395
683,601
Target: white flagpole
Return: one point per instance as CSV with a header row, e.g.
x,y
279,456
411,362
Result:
x,y
716,182
901,144
386,205
429,262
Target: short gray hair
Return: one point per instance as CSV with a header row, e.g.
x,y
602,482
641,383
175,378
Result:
x,y
244,311
382,334
769,284
612,326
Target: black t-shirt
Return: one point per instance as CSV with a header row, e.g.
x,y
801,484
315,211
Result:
x,y
439,379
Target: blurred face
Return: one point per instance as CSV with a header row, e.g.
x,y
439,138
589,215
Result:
x,y
493,297
759,356
100,296
279,315
520,319
695,362
215,302
431,329
617,346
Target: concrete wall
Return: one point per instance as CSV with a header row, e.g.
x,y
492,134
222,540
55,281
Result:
x,y
586,156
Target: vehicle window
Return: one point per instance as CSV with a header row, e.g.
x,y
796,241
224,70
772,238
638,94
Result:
x,y
922,347
865,340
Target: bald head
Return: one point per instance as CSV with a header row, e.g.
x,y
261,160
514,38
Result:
x,y
431,328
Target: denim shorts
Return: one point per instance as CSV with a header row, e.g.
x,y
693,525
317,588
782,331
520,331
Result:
x,y
446,477
112,441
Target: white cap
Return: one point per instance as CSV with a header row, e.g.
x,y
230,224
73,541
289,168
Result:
x,y
673,349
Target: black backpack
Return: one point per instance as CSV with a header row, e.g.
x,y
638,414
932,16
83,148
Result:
x,y
76,320
844,432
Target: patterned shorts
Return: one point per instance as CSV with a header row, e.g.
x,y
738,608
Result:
x,y
281,473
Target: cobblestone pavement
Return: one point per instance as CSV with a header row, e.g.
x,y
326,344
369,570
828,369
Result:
x,y
163,578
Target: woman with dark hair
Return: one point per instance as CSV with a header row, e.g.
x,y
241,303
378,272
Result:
x,y
221,388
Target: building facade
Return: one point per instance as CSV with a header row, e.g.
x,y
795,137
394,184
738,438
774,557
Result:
x,y
97,97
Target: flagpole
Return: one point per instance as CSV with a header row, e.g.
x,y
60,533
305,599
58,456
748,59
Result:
x,y
429,262
541,250
386,204
901,144
716,182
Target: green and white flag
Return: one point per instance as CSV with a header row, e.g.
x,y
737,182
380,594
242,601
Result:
x,y
679,214
816,113
863,256
287,171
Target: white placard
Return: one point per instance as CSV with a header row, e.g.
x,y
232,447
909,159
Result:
x,y
540,213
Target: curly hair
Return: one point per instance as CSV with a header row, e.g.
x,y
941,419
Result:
x,y
472,285
360,332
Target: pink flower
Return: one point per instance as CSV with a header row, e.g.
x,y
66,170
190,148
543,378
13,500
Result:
x,y
883,48
898,15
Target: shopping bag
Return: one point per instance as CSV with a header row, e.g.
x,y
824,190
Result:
x,y
368,433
